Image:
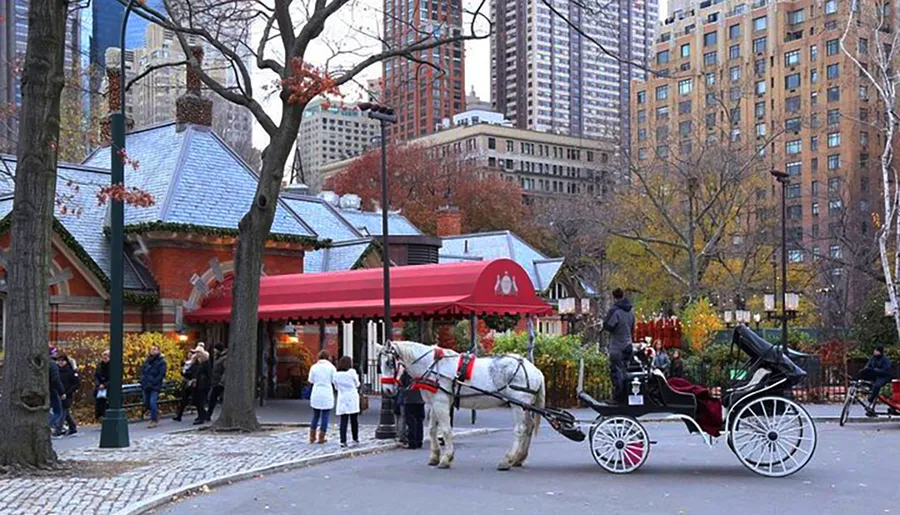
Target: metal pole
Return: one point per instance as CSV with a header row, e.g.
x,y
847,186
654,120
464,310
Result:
x,y
114,431
387,428
784,319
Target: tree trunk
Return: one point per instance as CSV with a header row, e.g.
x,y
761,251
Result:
x,y
25,404
238,408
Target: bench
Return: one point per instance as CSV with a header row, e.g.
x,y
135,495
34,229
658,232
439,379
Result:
x,y
132,395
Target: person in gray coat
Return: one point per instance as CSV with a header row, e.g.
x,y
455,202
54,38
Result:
x,y
620,324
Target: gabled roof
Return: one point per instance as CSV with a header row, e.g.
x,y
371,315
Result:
x,y
191,173
369,223
502,244
321,217
76,189
345,255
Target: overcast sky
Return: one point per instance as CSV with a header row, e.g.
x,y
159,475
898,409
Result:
x,y
350,33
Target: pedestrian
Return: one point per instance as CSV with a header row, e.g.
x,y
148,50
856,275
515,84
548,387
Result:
x,y
153,373
57,394
414,412
676,369
347,383
620,323
188,371
400,411
661,358
101,386
879,371
217,385
68,374
321,376
202,380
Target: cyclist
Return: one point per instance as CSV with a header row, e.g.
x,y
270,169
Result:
x,y
879,372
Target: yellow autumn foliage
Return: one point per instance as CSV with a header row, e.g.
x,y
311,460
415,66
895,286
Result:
x,y
700,323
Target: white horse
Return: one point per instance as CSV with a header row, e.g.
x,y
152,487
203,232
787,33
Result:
x,y
510,375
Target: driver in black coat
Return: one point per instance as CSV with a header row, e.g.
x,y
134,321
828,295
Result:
x,y
880,372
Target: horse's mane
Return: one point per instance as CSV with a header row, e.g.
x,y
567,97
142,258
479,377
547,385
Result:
x,y
411,350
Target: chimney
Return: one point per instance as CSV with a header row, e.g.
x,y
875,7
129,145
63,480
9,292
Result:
x,y
113,95
191,108
449,221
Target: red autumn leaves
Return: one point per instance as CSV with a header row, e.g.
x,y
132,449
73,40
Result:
x,y
307,82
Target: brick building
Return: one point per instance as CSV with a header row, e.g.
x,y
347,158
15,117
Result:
x,y
771,73
421,94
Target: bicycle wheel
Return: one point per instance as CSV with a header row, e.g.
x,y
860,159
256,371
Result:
x,y
845,409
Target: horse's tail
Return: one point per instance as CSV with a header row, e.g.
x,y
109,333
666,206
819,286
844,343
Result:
x,y
540,401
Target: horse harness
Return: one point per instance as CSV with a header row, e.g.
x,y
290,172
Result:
x,y
431,380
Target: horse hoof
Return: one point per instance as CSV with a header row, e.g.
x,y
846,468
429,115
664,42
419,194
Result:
x,y
504,465
517,464
433,463
444,465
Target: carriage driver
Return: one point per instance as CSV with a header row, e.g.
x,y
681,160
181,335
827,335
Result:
x,y
620,323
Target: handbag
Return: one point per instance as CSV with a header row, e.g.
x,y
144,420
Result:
x,y
101,393
363,401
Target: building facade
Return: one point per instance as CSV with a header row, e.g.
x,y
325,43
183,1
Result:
x,y
422,96
546,166
330,132
773,74
547,76
154,95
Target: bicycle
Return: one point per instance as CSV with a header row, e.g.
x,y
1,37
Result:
x,y
858,393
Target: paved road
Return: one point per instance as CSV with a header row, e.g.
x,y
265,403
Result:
x,y
854,471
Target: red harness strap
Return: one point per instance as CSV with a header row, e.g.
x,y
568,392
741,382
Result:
x,y
465,367
425,385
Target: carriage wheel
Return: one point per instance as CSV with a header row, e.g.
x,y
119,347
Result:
x,y
845,410
773,436
619,444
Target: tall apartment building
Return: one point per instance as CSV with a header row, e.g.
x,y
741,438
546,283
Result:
x,y
420,95
546,166
546,76
329,133
773,74
155,94
13,40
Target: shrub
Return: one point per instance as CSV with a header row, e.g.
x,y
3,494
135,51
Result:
x,y
700,324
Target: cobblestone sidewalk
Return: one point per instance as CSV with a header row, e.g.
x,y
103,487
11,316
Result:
x,y
156,465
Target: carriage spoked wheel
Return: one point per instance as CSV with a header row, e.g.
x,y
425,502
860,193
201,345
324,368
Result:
x,y
773,436
619,444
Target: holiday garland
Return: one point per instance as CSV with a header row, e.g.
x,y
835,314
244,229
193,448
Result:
x,y
145,227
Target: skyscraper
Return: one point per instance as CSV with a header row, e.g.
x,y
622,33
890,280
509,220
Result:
x,y
421,95
549,72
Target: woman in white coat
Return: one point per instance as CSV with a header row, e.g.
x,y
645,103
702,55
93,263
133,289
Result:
x,y
347,383
321,376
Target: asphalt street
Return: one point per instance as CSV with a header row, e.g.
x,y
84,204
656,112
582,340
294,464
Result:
x,y
854,471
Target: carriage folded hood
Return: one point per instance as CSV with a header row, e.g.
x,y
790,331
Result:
x,y
756,347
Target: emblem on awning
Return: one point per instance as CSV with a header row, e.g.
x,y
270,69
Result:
x,y
506,285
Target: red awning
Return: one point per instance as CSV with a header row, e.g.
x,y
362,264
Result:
x,y
456,290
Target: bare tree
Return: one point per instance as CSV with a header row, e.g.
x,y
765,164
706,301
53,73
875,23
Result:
x,y
870,40
289,31
26,394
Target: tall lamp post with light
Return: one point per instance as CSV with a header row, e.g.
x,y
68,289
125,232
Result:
x,y
784,179
386,429
114,431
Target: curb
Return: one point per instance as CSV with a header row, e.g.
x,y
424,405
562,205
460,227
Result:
x,y
166,498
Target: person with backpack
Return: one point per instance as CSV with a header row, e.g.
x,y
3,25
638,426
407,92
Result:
x,y
68,374
57,394
188,372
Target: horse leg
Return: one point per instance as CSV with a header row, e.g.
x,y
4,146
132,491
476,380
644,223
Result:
x,y
530,421
435,447
513,455
443,422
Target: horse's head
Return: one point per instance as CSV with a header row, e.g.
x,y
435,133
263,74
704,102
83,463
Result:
x,y
388,368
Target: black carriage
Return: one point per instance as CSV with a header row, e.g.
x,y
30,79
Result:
x,y
769,433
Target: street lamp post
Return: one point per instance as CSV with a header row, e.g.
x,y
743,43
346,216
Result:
x,y
386,429
114,431
784,179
